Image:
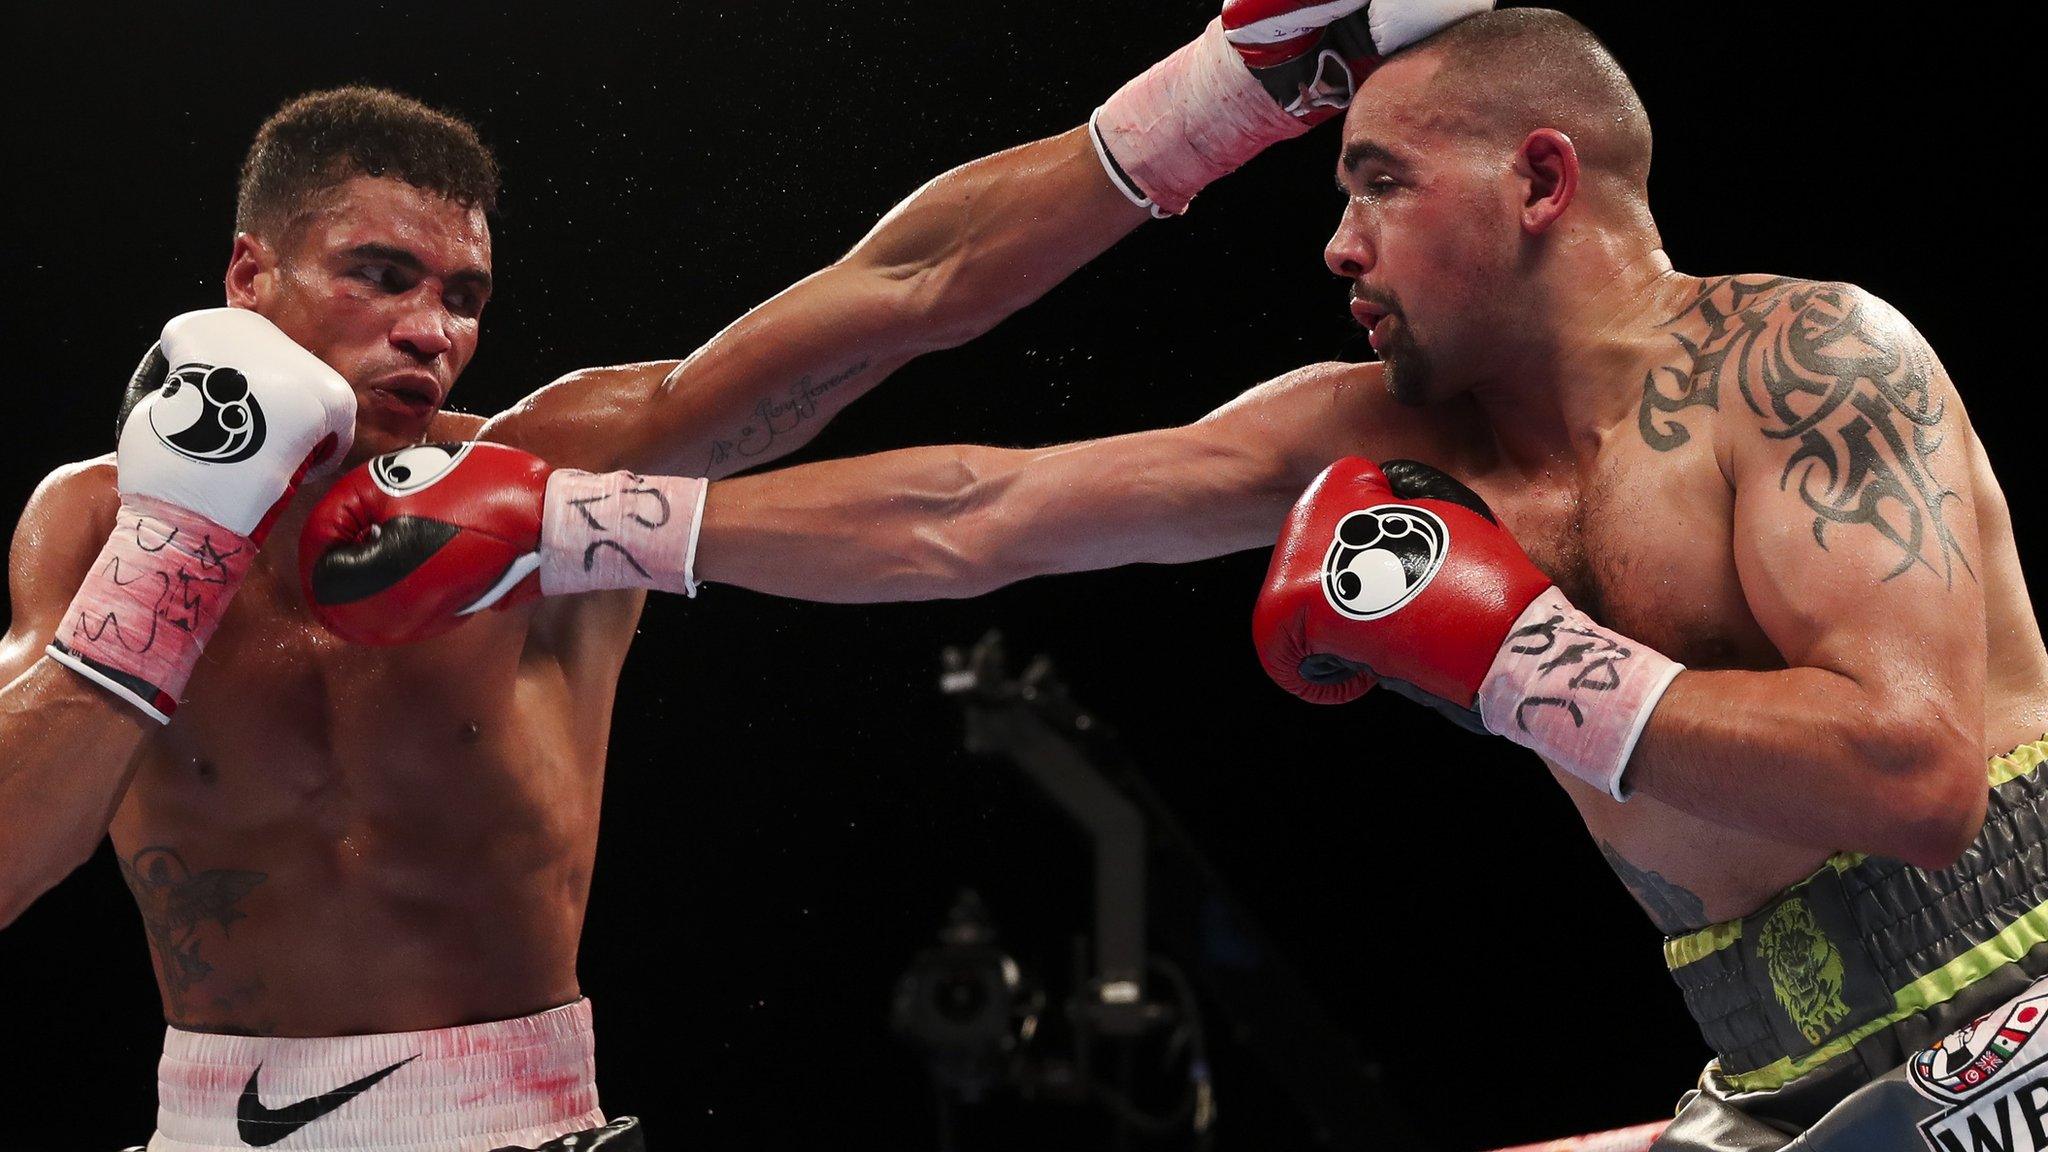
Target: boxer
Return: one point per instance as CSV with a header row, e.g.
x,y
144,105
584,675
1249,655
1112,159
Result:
x,y
1753,503
363,870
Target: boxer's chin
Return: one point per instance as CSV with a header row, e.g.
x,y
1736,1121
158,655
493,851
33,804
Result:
x,y
376,436
1409,373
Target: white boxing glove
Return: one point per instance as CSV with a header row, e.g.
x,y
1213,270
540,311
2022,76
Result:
x,y
205,464
241,415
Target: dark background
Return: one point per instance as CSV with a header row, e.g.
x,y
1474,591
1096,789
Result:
x,y
789,811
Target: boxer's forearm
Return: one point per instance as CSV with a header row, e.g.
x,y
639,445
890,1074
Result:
x,y
1808,756
66,750
957,521
947,264
987,238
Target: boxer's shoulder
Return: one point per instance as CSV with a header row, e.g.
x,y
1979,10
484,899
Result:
x,y
1763,359
449,427
83,494
1318,412
67,517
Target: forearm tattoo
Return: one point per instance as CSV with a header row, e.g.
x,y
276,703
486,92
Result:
x,y
777,416
180,908
1672,908
1841,377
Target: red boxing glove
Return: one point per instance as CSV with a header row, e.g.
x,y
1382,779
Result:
x,y
407,545
1411,580
1404,575
1310,56
411,543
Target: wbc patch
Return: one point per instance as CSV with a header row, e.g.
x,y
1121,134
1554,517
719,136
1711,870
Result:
x,y
1991,1079
1382,557
1967,1060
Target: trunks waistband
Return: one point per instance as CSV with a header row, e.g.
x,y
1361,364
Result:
x,y
478,1086
1865,942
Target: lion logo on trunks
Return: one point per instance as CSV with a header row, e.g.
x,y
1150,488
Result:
x,y
205,412
1382,557
1805,969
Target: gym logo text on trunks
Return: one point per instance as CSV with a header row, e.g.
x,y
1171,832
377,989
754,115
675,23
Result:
x,y
1992,1079
206,413
1381,558
1805,969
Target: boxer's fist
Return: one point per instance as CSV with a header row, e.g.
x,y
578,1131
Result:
x,y
1311,55
240,415
1402,574
406,546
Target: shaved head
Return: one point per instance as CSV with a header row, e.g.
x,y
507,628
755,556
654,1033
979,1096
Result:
x,y
1491,172
1506,73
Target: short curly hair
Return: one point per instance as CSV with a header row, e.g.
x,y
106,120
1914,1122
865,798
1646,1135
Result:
x,y
321,139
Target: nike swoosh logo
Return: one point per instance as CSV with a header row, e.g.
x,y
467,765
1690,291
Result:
x,y
260,1127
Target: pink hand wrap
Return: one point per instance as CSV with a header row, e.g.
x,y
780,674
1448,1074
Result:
x,y
620,530
1574,692
150,602
1187,121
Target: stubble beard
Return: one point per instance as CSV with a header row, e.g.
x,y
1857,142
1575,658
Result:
x,y
1409,372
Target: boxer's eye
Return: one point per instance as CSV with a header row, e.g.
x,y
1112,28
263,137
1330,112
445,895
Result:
x,y
384,277
465,303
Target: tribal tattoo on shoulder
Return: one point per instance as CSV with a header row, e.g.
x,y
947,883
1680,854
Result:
x,y
1672,907
178,905
1845,381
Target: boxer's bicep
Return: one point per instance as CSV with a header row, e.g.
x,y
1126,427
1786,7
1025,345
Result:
x,y
1855,527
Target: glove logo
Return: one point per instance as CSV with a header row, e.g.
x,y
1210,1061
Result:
x,y
415,469
1381,558
206,413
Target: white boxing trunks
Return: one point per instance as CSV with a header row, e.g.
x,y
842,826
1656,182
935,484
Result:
x,y
469,1089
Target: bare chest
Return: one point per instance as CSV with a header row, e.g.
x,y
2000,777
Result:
x,y
284,725
1643,543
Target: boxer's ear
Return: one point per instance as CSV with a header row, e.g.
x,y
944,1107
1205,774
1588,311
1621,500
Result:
x,y
1548,164
252,272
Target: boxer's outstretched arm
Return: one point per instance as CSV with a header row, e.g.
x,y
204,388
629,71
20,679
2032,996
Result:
x,y
66,745
945,265
959,520
1856,543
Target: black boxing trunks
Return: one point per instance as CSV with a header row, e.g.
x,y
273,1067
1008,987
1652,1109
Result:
x,y
1876,1007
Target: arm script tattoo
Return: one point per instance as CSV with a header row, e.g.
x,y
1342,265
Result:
x,y
1841,377
1672,908
177,907
777,416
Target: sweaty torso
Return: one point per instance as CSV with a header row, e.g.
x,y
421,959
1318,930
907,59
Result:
x,y
336,839
1635,525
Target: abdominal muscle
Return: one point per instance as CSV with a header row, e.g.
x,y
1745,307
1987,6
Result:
x,y
332,840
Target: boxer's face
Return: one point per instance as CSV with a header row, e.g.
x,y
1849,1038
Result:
x,y
1428,239
385,282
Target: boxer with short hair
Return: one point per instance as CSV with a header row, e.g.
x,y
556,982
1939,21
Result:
x,y
1726,553
401,840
